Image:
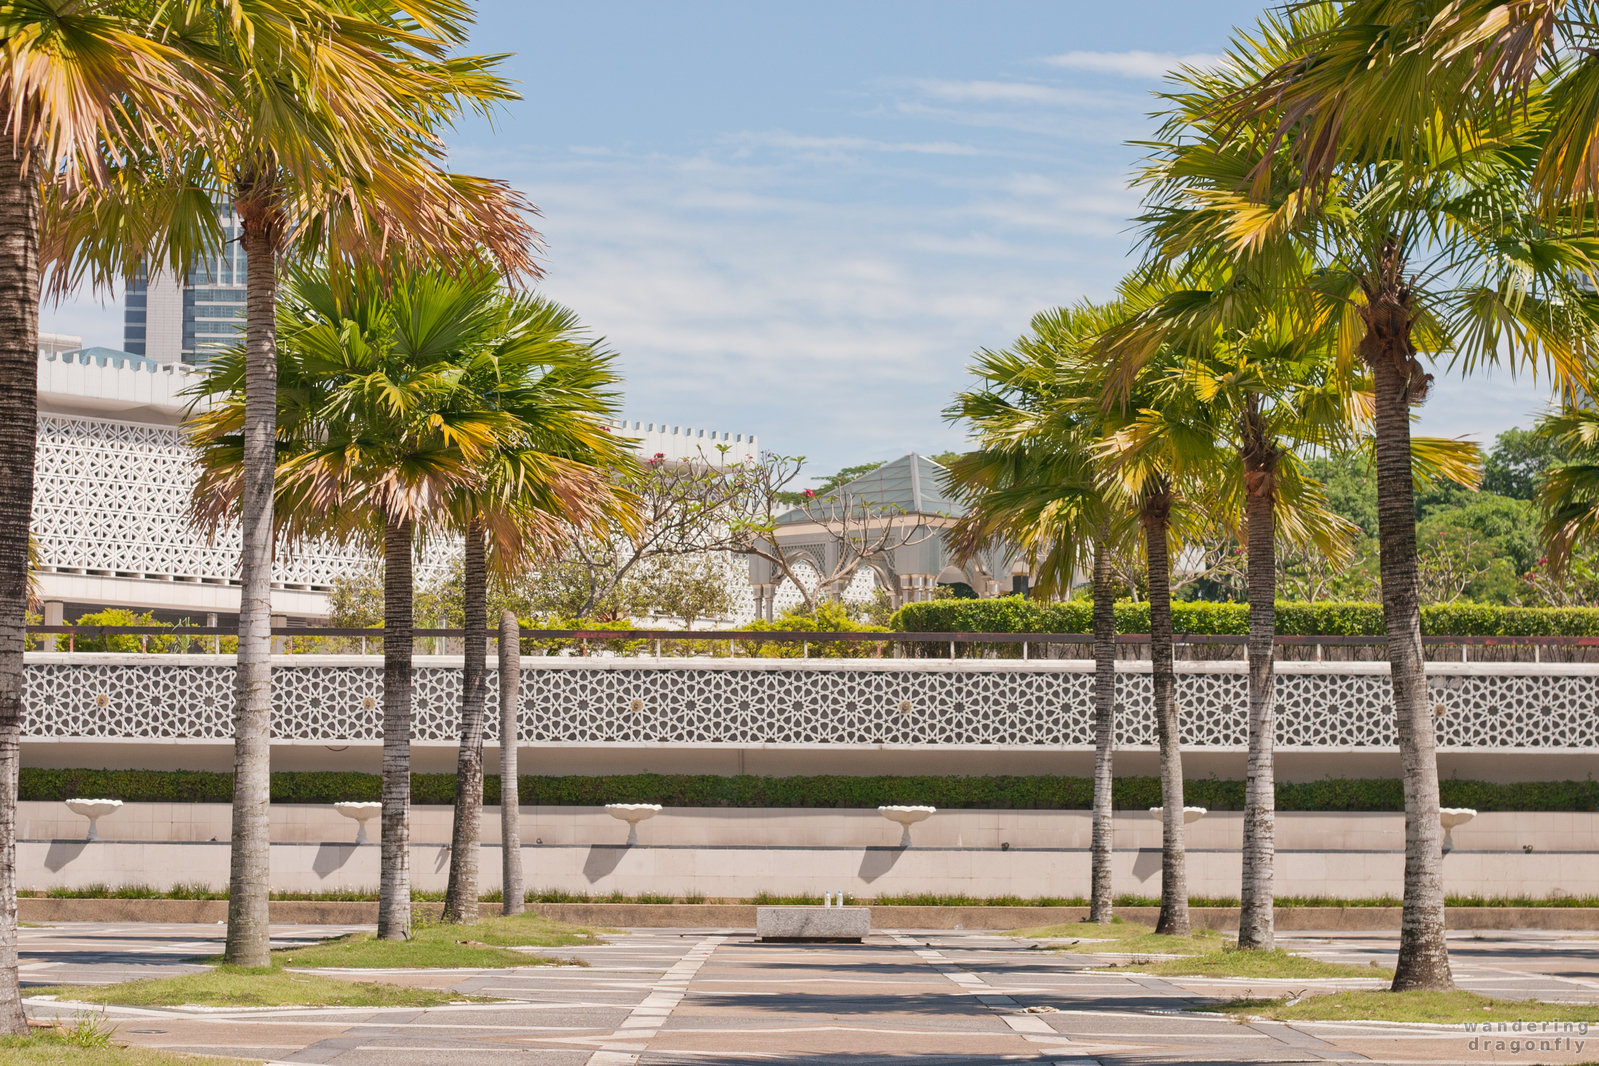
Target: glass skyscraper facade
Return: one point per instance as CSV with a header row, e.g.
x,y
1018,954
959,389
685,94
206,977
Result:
x,y
168,320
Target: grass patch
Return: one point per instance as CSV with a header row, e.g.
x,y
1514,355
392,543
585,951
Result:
x,y
58,1047
1125,938
1230,962
1457,1007
436,945
919,899
245,986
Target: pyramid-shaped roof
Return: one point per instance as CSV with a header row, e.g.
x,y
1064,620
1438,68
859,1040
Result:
x,y
911,484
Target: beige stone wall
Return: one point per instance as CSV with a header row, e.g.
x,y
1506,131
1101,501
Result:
x,y
866,872
775,827
738,853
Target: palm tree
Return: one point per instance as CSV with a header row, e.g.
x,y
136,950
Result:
x,y
1149,487
1032,483
1568,494
550,471
376,433
1263,383
1162,464
81,86
1414,260
327,141
1373,67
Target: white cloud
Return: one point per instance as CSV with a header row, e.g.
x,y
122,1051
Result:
x,y
1134,64
840,145
753,300
1013,92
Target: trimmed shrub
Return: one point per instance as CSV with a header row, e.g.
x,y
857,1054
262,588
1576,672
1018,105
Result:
x,y
1014,614
710,790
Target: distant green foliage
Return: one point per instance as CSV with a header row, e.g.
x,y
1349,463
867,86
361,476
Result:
x,y
532,645
1518,459
1015,614
121,642
830,616
836,791
831,482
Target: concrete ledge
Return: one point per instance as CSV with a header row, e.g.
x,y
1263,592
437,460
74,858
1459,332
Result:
x,y
824,924
743,915
205,911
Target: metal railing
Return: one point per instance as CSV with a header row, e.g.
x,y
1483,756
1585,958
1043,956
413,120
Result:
x,y
898,644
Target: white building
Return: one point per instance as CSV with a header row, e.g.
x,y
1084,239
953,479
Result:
x,y
112,483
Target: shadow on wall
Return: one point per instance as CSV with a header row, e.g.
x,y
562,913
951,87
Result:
x,y
602,861
331,858
1147,864
62,852
877,861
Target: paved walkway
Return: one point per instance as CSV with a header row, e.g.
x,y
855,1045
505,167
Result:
x,y
721,997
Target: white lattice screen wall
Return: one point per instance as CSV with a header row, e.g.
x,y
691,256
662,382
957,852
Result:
x,y
919,702
112,498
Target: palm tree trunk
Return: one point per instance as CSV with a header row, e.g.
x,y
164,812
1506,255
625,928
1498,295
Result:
x,y
1256,922
510,805
1104,733
1173,919
249,876
394,878
1423,954
19,427
460,897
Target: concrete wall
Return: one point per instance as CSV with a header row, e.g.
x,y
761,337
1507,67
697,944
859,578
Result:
x,y
739,872
739,853
784,828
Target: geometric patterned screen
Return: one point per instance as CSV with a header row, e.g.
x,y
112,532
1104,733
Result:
x,y
113,498
622,702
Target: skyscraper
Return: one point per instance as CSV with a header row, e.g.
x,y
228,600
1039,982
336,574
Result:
x,y
167,319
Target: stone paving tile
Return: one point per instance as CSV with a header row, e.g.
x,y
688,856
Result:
x,y
677,997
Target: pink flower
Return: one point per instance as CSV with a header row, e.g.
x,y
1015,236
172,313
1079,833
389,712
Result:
x,y
660,455
809,495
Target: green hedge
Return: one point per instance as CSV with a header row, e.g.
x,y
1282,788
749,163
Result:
x,y
1014,614
710,790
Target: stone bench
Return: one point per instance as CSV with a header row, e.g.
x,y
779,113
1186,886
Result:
x,y
818,924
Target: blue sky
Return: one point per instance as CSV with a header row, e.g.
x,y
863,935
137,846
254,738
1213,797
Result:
x,y
800,219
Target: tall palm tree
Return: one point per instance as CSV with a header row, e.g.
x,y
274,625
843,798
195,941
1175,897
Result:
x,y
1162,464
1152,483
327,141
1417,260
1262,380
81,86
550,471
1032,483
376,432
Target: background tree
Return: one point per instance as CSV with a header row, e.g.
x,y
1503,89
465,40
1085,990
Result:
x,y
1517,462
689,588
855,530
686,508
